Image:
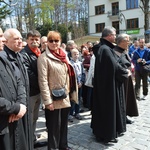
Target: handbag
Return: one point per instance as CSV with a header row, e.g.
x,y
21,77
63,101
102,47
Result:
x,y
59,94
146,67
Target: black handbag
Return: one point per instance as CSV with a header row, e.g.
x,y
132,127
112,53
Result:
x,y
146,67
59,94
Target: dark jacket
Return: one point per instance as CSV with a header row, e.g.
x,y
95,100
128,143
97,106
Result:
x,y
17,61
108,114
12,94
31,65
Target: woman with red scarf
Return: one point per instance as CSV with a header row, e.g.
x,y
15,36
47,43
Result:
x,y
55,72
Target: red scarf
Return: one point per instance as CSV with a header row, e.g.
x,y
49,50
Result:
x,y
62,56
36,51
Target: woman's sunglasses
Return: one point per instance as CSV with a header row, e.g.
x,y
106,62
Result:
x,y
51,41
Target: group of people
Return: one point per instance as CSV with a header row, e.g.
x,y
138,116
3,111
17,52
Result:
x,y
114,95
29,74
62,77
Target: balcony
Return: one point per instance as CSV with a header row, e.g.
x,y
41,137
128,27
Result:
x,y
114,14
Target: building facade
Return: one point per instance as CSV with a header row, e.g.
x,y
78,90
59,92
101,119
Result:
x,y
125,15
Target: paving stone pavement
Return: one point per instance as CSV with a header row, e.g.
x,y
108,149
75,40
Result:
x,y
80,135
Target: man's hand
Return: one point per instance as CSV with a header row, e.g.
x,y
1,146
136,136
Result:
x,y
129,72
139,60
13,118
79,85
22,111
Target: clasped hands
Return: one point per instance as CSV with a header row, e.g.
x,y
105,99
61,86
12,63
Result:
x,y
21,113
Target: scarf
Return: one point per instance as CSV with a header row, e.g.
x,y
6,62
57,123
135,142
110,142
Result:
x,y
36,51
62,56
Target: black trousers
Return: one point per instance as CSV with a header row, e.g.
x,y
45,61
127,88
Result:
x,y
5,142
57,125
138,77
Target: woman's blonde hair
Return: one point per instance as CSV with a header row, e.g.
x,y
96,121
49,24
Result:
x,y
74,51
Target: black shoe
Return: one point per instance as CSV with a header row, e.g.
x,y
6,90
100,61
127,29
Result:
x,y
77,116
81,110
114,140
129,121
106,141
138,98
40,144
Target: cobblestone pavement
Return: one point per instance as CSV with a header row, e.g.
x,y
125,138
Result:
x,y
80,135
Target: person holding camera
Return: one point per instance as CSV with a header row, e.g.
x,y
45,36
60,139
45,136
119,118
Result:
x,y
141,57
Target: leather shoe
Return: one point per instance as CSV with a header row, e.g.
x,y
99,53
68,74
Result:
x,y
40,144
67,148
114,140
129,121
106,141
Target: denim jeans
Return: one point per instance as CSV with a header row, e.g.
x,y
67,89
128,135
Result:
x,y
75,108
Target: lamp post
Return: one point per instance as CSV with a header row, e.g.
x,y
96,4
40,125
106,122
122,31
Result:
x,y
122,18
11,2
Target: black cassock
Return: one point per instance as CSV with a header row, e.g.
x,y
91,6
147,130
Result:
x,y
108,111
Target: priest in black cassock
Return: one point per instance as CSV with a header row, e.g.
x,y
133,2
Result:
x,y
108,111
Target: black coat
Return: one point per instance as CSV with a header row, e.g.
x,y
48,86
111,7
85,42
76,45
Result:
x,y
12,94
31,65
131,104
17,61
108,112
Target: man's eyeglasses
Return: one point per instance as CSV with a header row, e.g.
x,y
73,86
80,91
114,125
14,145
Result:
x,y
51,41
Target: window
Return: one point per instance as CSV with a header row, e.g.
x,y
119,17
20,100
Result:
x,y
100,27
99,9
130,4
132,23
115,24
115,8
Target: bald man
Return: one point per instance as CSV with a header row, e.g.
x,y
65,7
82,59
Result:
x,y
20,131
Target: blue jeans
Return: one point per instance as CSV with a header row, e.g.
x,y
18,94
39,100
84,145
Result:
x,y
75,108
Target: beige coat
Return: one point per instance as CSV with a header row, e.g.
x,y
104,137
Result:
x,y
53,74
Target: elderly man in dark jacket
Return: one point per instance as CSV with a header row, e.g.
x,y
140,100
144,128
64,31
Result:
x,y
12,104
12,47
12,108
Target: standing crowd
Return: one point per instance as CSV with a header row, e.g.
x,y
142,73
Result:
x,y
64,79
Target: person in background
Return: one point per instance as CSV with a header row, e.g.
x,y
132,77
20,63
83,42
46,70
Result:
x,y
140,57
96,42
86,65
108,115
19,131
78,68
43,42
70,45
90,76
133,47
83,48
63,46
30,53
122,42
24,43
55,72
89,44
